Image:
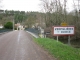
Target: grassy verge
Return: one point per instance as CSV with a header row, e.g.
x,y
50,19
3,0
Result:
x,y
58,49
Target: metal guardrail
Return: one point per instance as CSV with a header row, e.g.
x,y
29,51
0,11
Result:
x,y
32,30
3,31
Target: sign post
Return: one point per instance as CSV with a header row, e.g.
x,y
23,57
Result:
x,y
63,31
57,38
69,40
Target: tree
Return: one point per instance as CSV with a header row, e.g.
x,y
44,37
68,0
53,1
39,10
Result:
x,y
31,18
19,18
52,8
8,25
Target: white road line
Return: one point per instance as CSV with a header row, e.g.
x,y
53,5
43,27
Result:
x,y
22,53
17,45
19,36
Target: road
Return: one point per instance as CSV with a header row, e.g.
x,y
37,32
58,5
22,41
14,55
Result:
x,y
19,45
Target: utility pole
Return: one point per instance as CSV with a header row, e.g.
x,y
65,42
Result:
x,y
13,24
12,17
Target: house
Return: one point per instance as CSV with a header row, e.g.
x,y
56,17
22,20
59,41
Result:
x,y
1,26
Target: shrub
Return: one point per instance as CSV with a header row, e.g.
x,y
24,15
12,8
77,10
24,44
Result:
x,y
8,25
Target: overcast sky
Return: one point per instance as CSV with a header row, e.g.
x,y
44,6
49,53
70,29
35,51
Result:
x,y
27,5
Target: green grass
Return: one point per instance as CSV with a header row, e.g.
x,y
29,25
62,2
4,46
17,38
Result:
x,y
58,49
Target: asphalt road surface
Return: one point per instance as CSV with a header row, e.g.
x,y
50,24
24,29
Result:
x,y
18,45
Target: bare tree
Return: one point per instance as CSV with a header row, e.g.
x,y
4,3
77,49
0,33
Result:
x,y
50,7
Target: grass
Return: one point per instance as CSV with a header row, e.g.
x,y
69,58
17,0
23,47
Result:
x,y
58,49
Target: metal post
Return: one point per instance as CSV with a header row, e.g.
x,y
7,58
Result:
x,y
45,35
69,40
57,38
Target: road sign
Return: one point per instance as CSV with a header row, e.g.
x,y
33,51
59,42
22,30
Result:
x,y
64,24
63,30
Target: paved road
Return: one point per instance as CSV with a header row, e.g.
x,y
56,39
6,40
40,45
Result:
x,y
18,45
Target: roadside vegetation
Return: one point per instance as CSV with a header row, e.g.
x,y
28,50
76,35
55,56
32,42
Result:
x,y
59,50
8,25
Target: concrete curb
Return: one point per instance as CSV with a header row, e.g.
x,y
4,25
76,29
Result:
x,y
33,34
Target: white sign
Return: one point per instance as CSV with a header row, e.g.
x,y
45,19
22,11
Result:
x,y
60,30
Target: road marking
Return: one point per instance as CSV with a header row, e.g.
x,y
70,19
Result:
x,y
19,35
22,53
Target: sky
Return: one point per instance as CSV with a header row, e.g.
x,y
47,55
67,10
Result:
x,y
22,5
28,5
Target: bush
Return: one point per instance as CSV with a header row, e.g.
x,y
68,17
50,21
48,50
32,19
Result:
x,y
8,25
